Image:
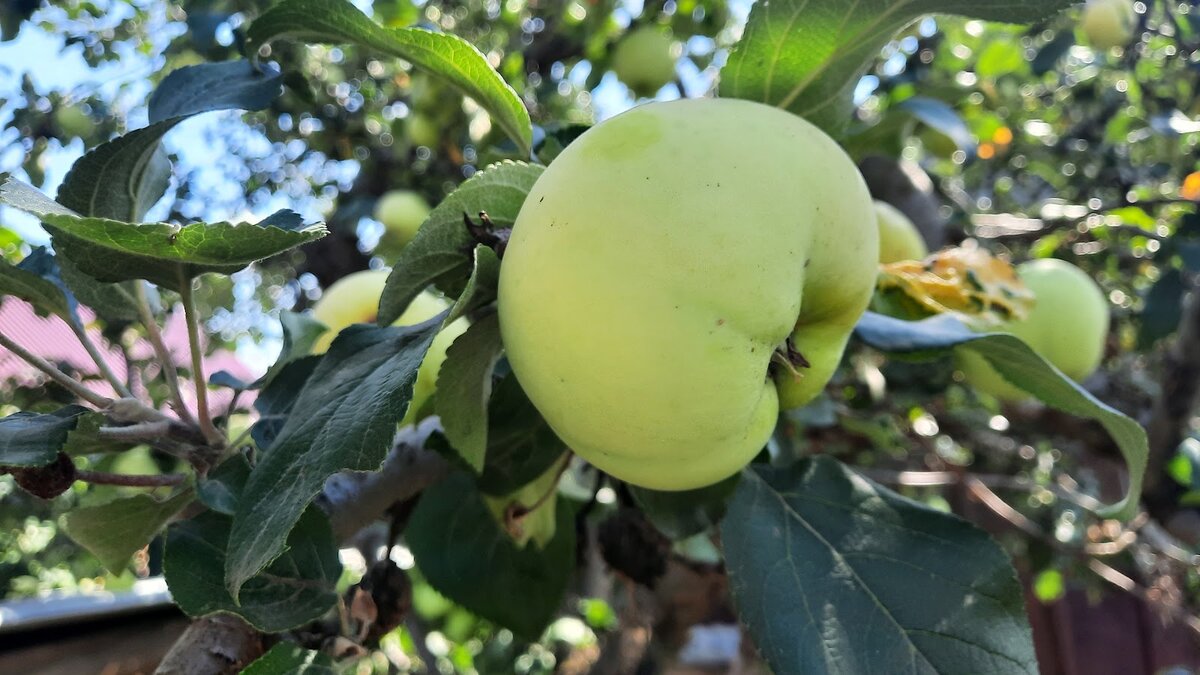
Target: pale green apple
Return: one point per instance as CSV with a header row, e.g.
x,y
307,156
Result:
x,y
1067,326
402,212
898,236
355,299
423,131
1108,23
644,60
73,121
659,266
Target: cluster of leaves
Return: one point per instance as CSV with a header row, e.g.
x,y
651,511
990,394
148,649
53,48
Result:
x,y
255,542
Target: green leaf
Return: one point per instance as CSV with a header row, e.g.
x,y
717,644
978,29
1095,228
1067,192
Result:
x,y
1163,308
521,445
1024,368
832,573
222,488
33,439
169,255
123,178
481,287
36,281
680,515
465,556
300,333
115,531
114,303
464,387
807,57
296,588
214,86
289,658
446,56
439,252
343,419
275,401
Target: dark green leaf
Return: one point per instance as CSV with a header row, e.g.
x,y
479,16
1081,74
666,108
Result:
x,y
343,419
222,488
445,56
36,280
1163,308
1024,368
680,515
832,573
214,86
275,401
807,57
464,387
33,439
120,179
440,253
465,555
296,588
115,531
288,658
520,445
115,303
300,333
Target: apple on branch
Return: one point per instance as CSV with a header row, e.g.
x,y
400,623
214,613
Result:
x,y
355,299
644,60
898,236
676,276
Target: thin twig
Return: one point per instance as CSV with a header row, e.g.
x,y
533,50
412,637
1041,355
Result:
x,y
74,386
166,363
126,480
145,431
210,432
101,362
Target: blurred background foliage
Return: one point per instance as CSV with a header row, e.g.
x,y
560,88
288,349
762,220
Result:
x,y
1021,139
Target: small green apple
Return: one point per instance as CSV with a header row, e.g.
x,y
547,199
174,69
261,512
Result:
x,y
1108,23
1067,326
355,299
73,122
423,131
644,60
402,212
898,236
663,262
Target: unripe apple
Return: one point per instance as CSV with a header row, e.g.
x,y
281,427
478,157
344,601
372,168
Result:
x,y
1067,326
898,236
659,267
644,60
1108,23
402,212
73,122
423,131
355,299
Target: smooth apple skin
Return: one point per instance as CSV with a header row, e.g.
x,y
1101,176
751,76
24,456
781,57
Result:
x,y
402,212
644,60
659,262
355,299
898,236
1108,23
1067,326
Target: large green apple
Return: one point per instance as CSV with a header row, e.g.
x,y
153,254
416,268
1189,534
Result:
x,y
644,60
355,299
658,268
898,236
1068,326
1108,23
402,212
